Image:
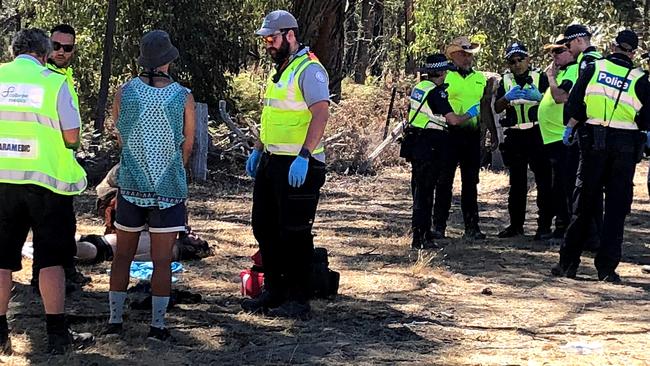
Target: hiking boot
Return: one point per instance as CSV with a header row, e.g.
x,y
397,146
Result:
x,y
422,242
436,234
543,234
262,303
292,310
59,343
473,234
5,343
562,270
158,334
511,232
612,277
113,330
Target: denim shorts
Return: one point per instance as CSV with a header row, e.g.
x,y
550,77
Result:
x,y
133,218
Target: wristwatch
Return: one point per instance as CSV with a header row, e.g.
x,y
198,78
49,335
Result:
x,y
304,153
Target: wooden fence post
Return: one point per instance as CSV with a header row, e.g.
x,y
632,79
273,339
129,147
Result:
x,y
199,158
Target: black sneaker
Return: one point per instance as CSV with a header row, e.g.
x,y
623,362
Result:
x,y
473,234
158,334
510,232
611,278
292,310
60,343
262,303
112,330
5,343
562,270
543,234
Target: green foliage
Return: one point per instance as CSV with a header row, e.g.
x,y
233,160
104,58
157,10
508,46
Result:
x,y
214,38
495,24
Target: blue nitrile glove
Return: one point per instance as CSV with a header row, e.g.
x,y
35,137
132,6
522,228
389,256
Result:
x,y
514,93
252,162
473,111
647,140
298,171
532,93
566,138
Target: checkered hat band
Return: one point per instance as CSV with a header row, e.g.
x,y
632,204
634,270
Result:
x,y
516,51
436,65
573,36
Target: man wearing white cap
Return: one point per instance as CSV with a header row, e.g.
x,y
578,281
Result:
x,y
288,164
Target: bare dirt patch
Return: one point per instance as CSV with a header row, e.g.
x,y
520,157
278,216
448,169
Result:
x,y
396,306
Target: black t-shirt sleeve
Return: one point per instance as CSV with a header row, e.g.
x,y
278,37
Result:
x,y
438,101
543,82
575,106
566,85
642,89
501,90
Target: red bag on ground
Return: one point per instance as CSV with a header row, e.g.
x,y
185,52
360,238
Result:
x,y
251,283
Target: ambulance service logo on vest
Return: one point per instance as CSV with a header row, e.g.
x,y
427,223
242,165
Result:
x,y
21,95
613,81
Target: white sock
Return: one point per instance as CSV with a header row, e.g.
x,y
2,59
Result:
x,y
116,301
158,310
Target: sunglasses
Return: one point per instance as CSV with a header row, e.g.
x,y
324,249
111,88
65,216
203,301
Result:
x,y
513,61
67,48
559,50
271,38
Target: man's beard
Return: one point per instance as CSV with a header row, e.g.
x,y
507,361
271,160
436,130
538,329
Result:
x,y
281,54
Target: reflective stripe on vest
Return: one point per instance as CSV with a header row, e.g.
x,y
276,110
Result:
x,y
465,92
623,125
32,150
425,118
603,90
286,116
521,110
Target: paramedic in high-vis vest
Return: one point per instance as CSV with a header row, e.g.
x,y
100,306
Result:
x,y
519,93
609,96
288,164
39,176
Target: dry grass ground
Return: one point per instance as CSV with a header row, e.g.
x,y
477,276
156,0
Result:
x,y
396,306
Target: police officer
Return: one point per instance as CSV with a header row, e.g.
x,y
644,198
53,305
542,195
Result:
x,y
609,95
561,75
466,89
425,141
577,39
39,175
519,94
288,164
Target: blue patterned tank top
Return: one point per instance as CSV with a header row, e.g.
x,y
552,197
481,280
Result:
x,y
150,124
